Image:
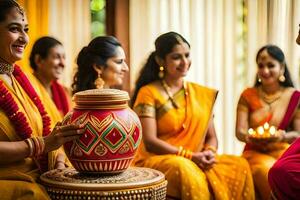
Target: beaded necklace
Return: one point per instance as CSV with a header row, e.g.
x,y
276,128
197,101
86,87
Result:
x,y
174,103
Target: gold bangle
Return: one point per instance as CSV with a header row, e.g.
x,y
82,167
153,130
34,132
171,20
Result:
x,y
41,144
183,153
37,146
31,147
210,147
59,161
189,154
179,151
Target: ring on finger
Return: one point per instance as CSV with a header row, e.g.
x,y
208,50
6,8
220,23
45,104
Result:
x,y
58,128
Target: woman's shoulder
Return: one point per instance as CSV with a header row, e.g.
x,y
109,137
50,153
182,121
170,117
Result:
x,y
291,90
249,91
150,87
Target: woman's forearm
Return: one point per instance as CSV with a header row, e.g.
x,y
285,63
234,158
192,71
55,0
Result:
x,y
241,135
290,136
13,151
160,147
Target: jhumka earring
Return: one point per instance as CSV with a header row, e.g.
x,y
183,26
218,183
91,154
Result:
x,y
161,73
99,82
281,78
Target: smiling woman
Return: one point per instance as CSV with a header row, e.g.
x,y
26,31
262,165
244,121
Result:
x,y
47,59
272,101
27,134
179,137
101,64
15,43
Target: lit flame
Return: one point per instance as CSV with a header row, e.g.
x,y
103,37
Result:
x,y
272,130
251,131
260,130
264,131
266,125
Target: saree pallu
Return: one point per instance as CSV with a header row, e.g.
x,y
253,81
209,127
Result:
x,y
187,126
54,114
61,97
284,176
262,158
18,179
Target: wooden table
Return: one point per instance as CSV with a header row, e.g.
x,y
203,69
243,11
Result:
x,y
135,183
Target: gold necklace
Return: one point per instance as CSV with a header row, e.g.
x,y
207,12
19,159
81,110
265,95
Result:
x,y
270,99
5,67
167,90
174,103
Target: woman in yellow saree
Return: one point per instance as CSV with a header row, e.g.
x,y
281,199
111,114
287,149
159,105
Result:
x,y
178,132
47,59
26,137
274,100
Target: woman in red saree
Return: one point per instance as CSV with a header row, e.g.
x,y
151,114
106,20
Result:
x,y
273,99
284,176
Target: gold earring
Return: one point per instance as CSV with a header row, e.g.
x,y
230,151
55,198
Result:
x,y
161,73
281,78
258,79
99,82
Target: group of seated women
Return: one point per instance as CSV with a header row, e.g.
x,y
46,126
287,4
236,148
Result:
x,y
179,137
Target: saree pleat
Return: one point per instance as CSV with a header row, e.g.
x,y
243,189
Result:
x,y
187,126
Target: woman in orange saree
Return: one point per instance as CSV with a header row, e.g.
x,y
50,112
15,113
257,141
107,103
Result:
x,y
27,141
274,100
178,132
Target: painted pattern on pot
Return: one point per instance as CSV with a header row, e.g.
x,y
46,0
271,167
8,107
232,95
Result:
x,y
111,136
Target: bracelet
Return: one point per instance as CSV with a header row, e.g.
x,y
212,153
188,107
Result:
x,y
59,161
31,147
189,154
36,146
210,147
179,151
184,153
42,144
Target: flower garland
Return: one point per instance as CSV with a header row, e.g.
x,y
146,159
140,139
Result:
x,y
18,119
11,108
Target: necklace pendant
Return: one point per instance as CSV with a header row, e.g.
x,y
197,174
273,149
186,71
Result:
x,y
6,68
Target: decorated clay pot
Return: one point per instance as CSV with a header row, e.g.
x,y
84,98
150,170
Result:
x,y
112,132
